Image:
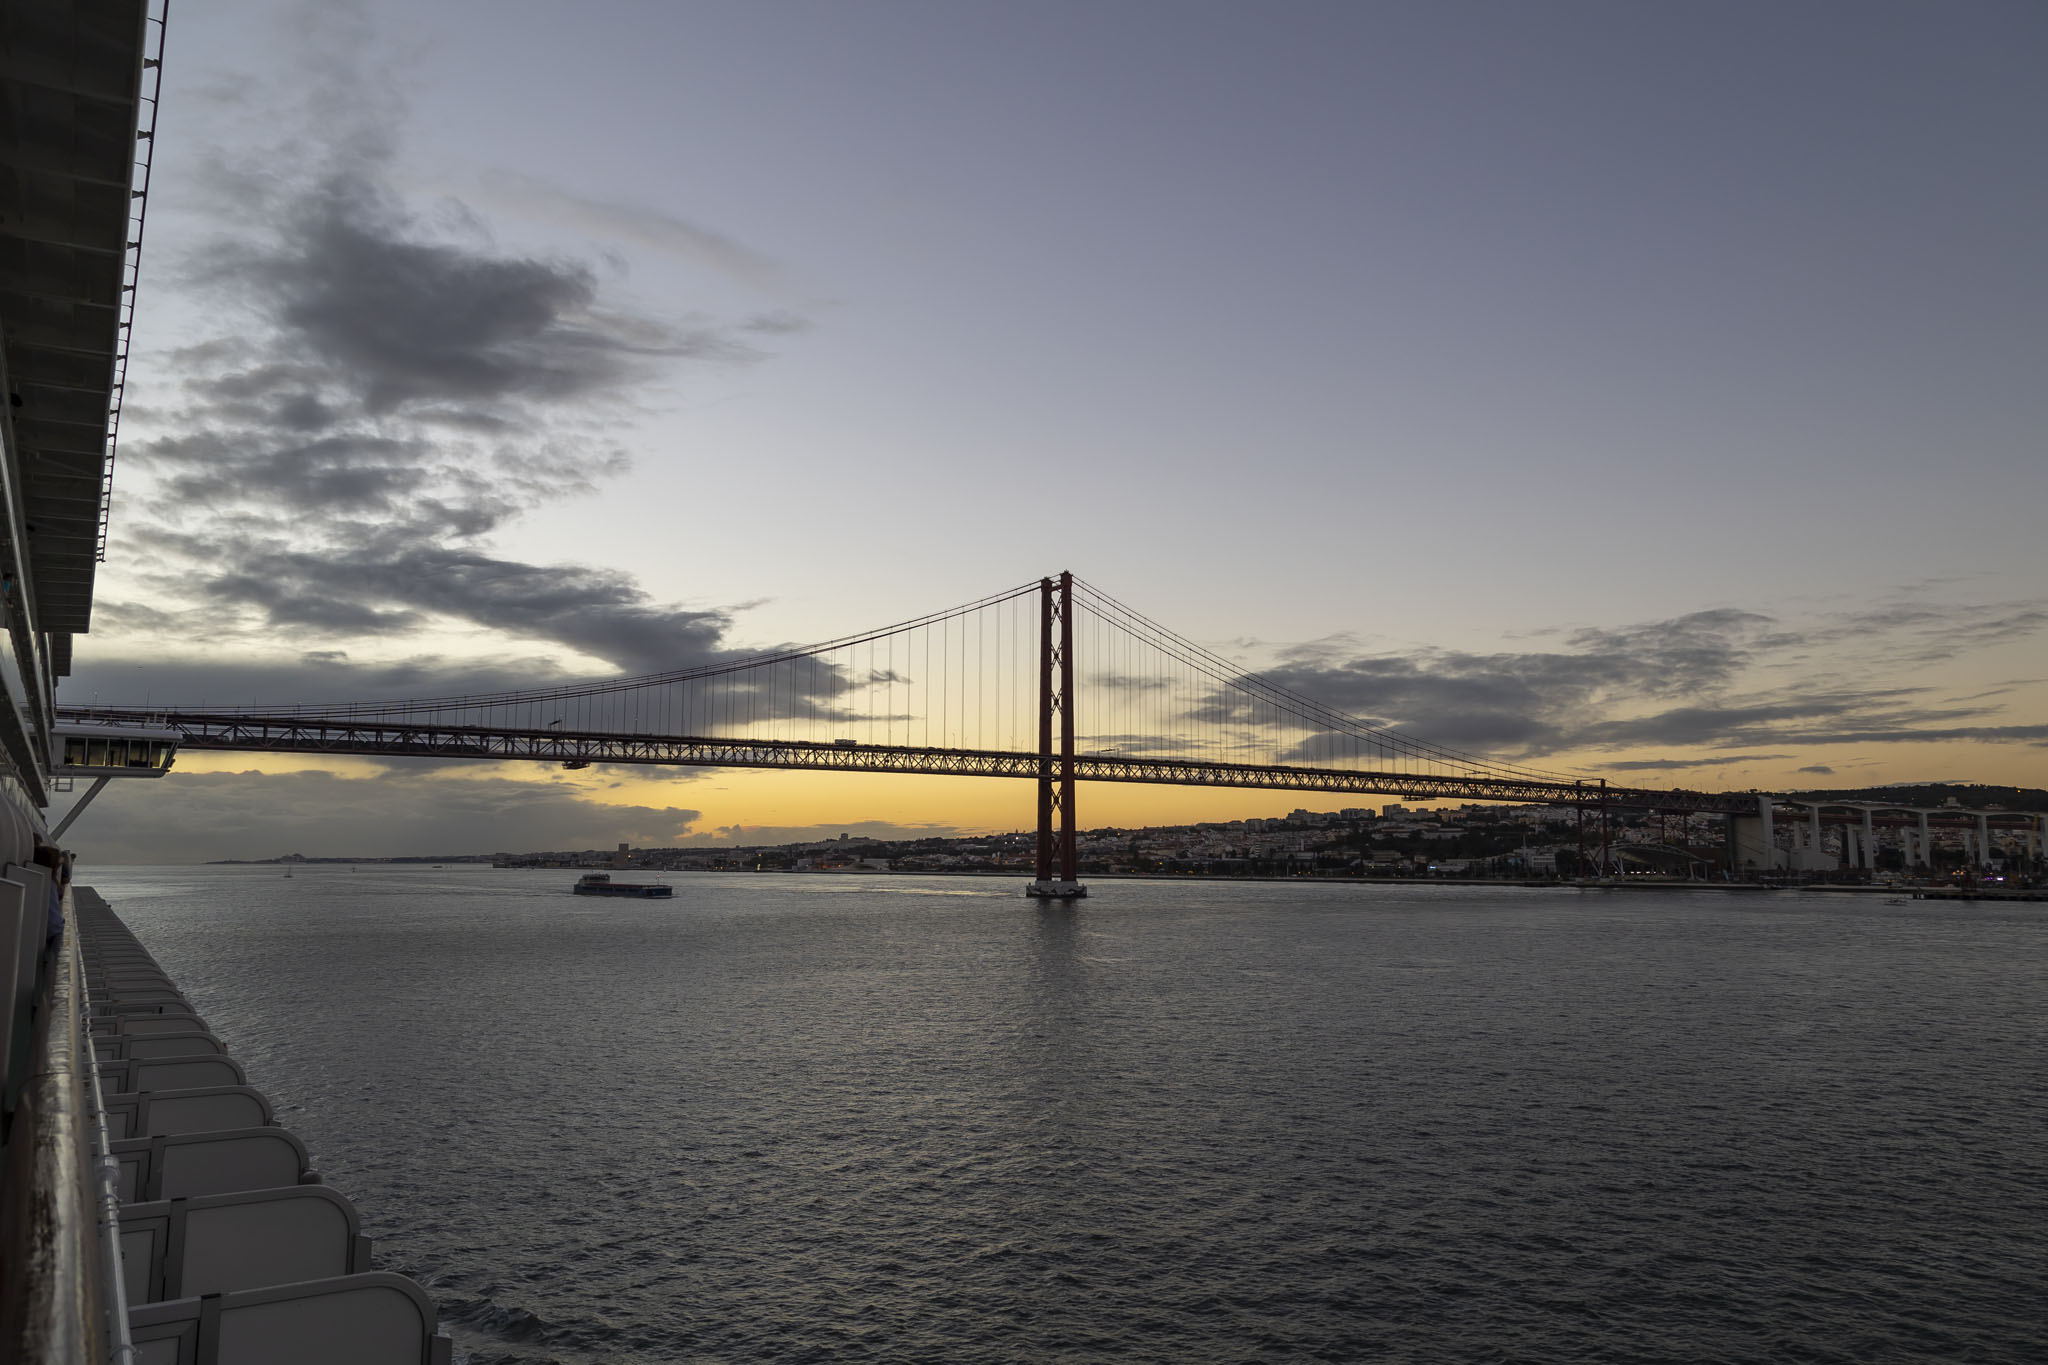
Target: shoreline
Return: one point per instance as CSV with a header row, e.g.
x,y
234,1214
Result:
x,y
1916,892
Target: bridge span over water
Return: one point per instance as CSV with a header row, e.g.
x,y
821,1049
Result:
x,y
1053,682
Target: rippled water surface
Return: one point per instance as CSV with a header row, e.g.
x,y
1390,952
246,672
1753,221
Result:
x,y
900,1119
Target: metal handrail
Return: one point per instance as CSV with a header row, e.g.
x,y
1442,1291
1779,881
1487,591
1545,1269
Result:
x,y
120,1346
57,1279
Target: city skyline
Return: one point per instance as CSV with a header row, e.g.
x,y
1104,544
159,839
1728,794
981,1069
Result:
x,y
1644,395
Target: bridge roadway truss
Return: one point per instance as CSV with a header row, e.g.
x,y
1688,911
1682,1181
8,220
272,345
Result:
x,y
286,734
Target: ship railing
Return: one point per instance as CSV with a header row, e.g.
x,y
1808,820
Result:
x,y
58,1216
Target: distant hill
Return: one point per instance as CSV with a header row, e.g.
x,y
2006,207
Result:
x,y
1935,793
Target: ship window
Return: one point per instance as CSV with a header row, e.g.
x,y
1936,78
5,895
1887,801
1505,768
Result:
x,y
138,753
160,755
74,752
96,753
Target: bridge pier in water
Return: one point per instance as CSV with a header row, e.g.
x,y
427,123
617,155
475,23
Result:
x,y
1057,871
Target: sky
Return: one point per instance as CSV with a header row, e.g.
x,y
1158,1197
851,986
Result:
x,y
1650,392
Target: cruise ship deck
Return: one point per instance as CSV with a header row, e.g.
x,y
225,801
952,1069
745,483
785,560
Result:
x,y
231,1248
151,1209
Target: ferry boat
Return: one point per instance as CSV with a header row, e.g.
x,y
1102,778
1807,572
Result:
x,y
601,884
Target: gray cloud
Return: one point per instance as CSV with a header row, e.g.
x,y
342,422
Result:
x,y
1722,674
1821,768
353,280
1896,715
1775,719
595,611
1530,703
386,391
639,226
1662,765
1976,734
1951,626
328,675
200,817
1919,631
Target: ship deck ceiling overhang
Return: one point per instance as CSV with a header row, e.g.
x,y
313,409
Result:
x,y
72,76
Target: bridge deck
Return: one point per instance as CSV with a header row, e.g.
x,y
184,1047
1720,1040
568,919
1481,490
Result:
x,y
396,738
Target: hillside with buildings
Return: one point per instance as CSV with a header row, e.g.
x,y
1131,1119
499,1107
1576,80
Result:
x,y
1466,841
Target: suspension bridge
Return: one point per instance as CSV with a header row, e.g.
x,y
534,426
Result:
x,y
1055,682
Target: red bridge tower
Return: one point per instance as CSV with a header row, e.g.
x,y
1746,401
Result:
x,y
1056,770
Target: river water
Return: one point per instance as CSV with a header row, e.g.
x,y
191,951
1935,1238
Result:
x,y
816,1118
